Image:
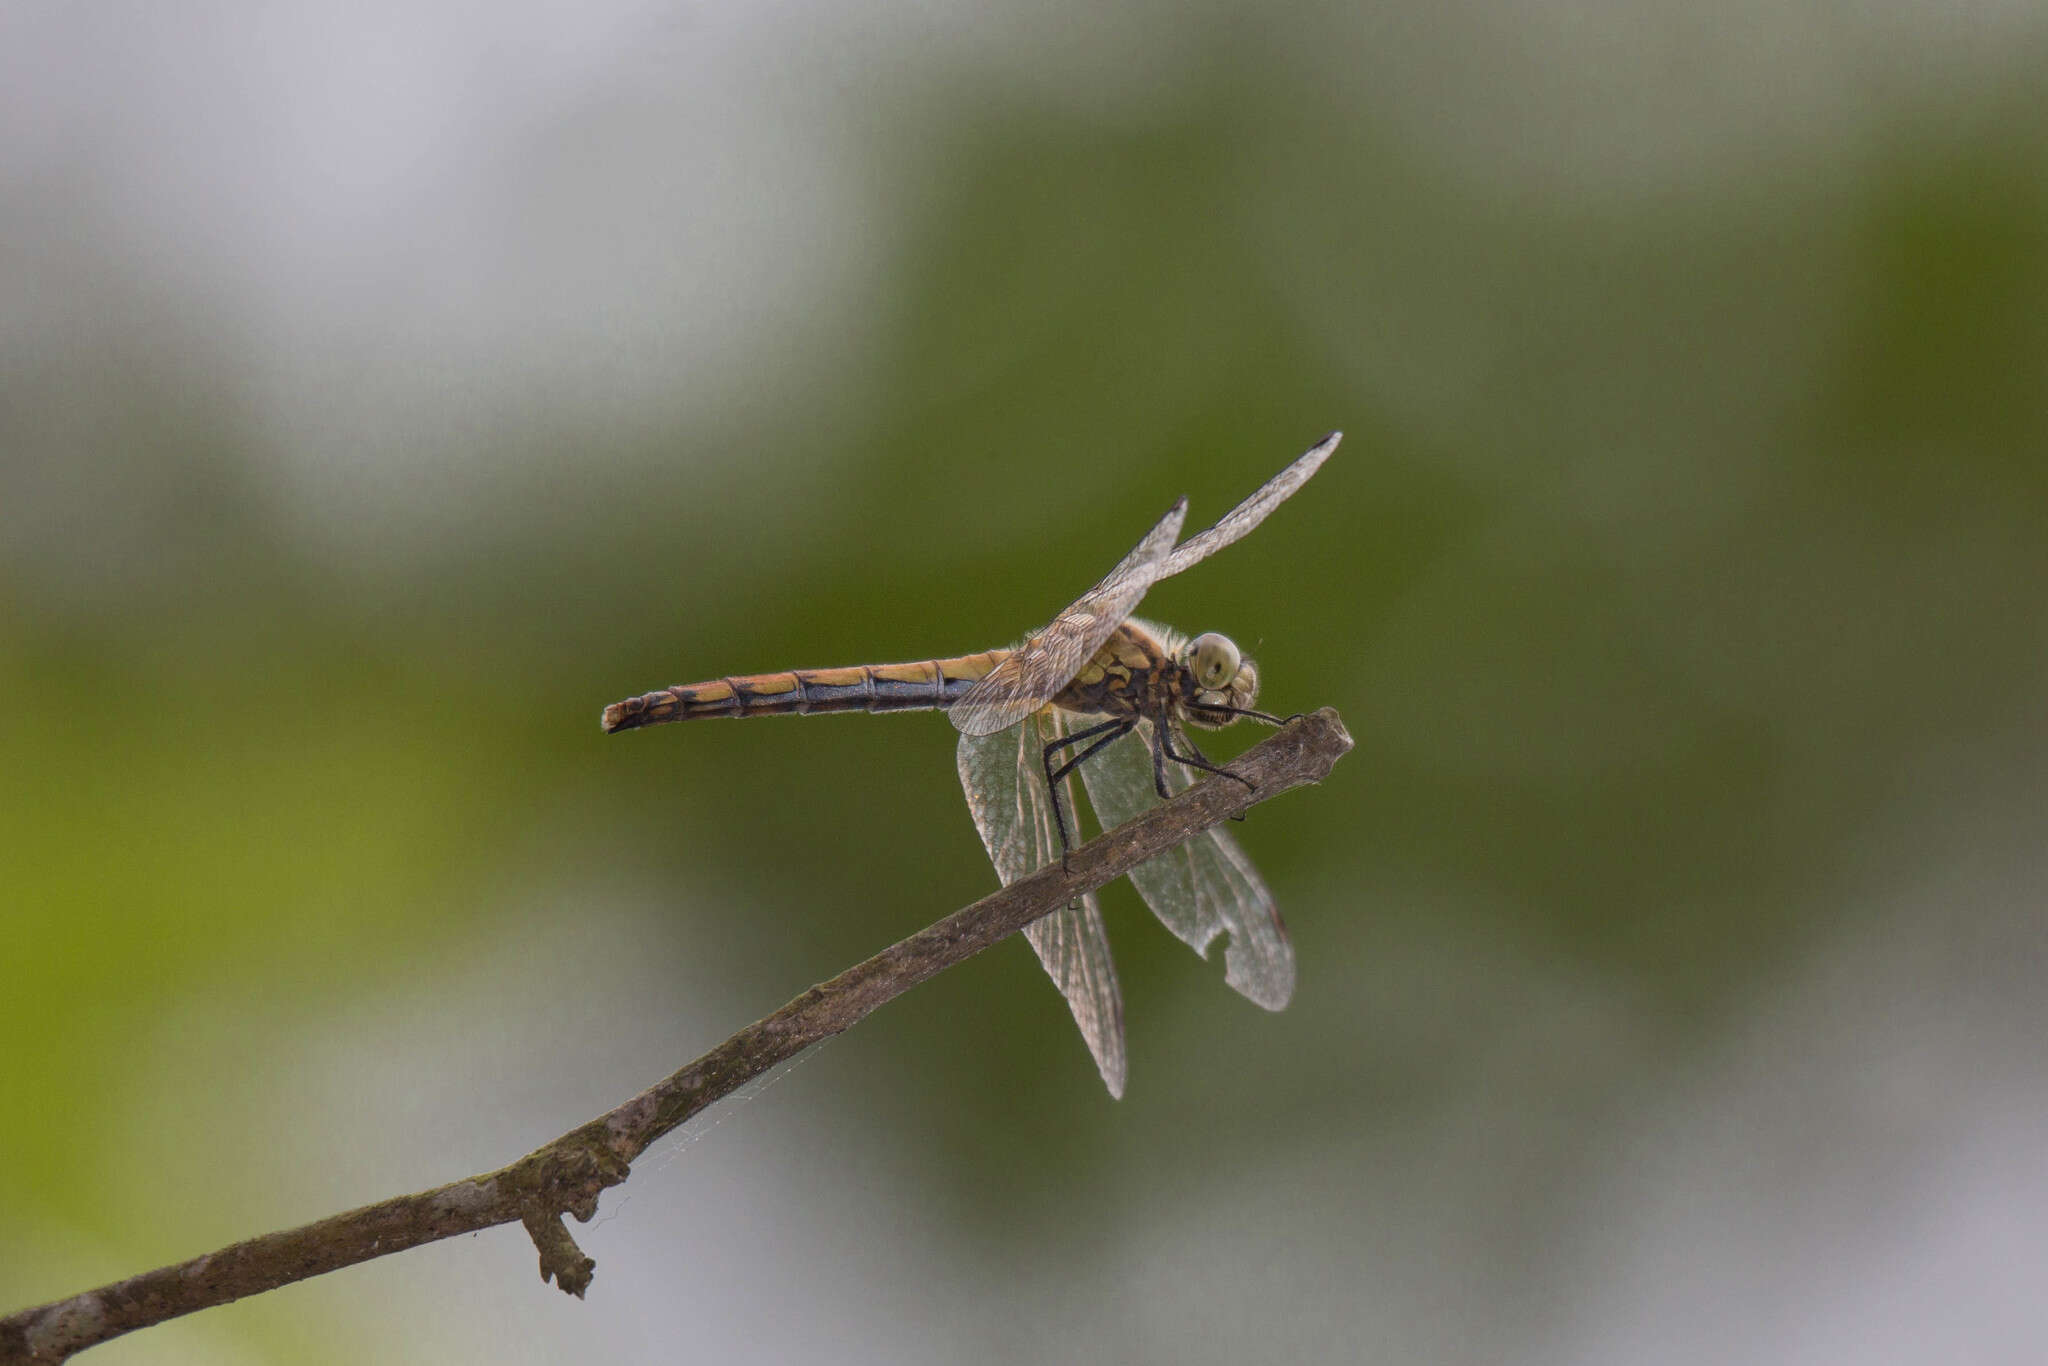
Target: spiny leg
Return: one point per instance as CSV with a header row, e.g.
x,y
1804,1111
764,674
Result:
x,y
1201,759
1192,760
1162,750
1117,728
1222,709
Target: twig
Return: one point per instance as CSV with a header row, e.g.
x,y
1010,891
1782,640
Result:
x,y
567,1175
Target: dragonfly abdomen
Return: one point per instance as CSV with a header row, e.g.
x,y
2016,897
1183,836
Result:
x,y
922,686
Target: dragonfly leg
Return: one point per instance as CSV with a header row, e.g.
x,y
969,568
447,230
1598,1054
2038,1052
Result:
x,y
1159,767
1194,758
1223,710
1116,729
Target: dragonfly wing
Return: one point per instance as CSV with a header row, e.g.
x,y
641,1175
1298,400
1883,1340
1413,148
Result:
x,y
1074,947
1240,520
1004,778
1204,887
1031,675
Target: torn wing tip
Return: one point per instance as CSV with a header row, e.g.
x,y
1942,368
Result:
x,y
1266,995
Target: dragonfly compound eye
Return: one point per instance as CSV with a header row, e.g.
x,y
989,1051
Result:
x,y
1214,660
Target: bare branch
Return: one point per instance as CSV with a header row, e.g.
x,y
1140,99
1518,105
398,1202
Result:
x,y
567,1175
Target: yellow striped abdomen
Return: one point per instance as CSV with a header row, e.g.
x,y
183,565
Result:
x,y
921,686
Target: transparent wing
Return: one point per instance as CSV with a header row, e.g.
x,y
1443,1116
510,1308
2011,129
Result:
x,y
1239,521
1004,778
1203,888
1042,665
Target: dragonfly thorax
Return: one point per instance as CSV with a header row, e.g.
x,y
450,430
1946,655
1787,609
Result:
x,y
1145,670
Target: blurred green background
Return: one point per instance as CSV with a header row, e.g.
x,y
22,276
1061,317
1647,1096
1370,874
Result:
x,y
388,388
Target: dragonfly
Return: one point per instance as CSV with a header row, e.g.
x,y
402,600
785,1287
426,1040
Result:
x,y
1100,693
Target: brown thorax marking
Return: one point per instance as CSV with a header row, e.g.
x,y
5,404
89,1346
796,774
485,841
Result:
x,y
1133,674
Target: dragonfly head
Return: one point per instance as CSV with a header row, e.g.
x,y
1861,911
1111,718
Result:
x,y
1222,676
